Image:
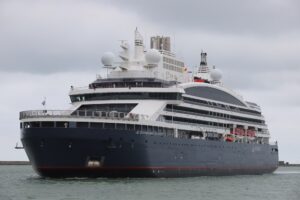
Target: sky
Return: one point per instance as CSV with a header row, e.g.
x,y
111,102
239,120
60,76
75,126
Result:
x,y
47,46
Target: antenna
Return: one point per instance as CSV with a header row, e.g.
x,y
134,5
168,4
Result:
x,y
174,43
138,45
44,103
145,44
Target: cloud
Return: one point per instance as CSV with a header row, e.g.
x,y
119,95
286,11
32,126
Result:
x,y
246,62
51,36
55,36
270,17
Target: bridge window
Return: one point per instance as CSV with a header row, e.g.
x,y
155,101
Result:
x,y
125,108
121,96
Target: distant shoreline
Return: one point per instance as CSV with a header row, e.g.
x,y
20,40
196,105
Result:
x,y
287,164
14,163
290,165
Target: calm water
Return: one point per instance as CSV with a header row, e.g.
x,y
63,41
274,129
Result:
x,y
20,182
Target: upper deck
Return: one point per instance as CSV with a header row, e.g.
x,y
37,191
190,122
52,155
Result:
x,y
154,87
131,83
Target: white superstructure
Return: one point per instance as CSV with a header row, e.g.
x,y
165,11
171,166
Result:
x,y
151,89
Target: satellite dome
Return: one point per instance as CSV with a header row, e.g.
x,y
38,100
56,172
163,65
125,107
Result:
x,y
152,56
108,59
216,75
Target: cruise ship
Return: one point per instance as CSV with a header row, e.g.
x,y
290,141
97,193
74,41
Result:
x,y
149,116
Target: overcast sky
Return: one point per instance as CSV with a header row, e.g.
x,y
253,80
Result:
x,y
46,46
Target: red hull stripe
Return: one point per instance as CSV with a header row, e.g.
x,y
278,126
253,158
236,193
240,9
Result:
x,y
153,168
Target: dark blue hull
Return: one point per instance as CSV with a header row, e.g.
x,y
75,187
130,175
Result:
x,y
71,152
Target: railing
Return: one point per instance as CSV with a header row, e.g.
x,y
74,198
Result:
x,y
211,116
82,114
73,88
226,109
273,143
195,125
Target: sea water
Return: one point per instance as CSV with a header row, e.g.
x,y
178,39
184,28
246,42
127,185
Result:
x,y
21,182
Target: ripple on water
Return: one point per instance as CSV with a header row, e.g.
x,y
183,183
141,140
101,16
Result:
x,y
20,182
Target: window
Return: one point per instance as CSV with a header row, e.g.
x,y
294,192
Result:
x,y
150,128
175,108
47,124
194,121
82,124
224,107
61,124
214,94
121,96
126,108
130,127
160,129
109,126
144,128
96,125
138,127
38,124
